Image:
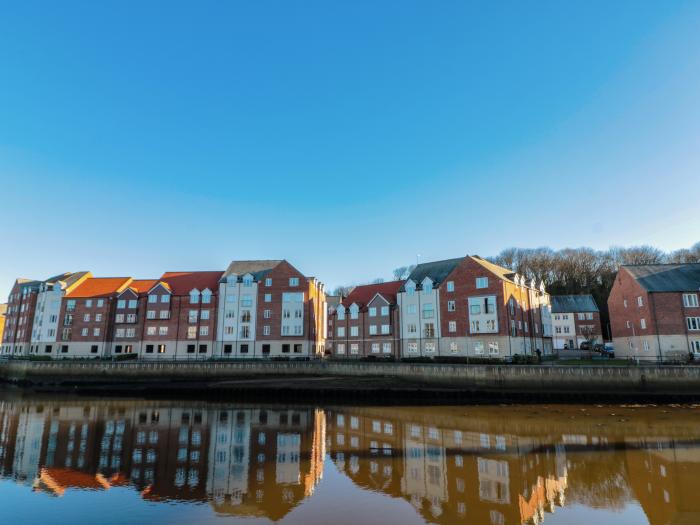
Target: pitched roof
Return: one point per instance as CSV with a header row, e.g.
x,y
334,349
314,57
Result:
x,y
99,286
258,269
573,303
143,285
181,283
436,270
361,295
500,271
666,277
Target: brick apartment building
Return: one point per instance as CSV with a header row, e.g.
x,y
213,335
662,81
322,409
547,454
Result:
x,y
3,313
654,311
269,308
472,307
575,319
25,325
366,322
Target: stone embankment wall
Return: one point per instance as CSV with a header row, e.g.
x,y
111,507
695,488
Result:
x,y
329,375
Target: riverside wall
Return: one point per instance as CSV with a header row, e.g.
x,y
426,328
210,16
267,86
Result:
x,y
535,380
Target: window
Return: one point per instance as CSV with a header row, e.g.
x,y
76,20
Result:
x,y
86,318
191,349
151,330
194,296
341,331
165,298
375,348
452,326
373,311
385,329
482,282
120,332
267,313
294,281
119,318
450,306
202,350
93,349
121,304
340,349
228,349
151,314
412,348
245,331
428,311
694,346
581,317
373,329
693,323
411,328
206,296
624,303
285,348
88,303
640,301
245,316
266,330
130,332
244,349
412,309
204,315
297,349
132,303
454,348
429,330
192,317
152,298
645,345
246,300
450,286
354,331
429,348
643,323
96,332
340,313
149,349
191,332
386,348
164,314
268,282
131,318
385,310
84,332
162,330
690,300
354,311
493,348
354,349
203,330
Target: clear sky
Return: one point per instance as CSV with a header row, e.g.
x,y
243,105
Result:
x,y
346,137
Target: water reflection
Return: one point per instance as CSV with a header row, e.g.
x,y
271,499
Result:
x,y
485,465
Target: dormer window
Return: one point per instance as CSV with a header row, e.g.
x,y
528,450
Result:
x,y
247,280
341,313
354,311
427,286
206,296
410,287
194,296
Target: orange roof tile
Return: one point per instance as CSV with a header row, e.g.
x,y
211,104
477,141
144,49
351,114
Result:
x,y
143,285
99,287
181,283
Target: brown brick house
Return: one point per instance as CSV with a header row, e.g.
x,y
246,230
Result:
x,y
654,311
366,322
575,319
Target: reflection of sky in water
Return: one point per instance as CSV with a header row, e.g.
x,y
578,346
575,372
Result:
x,y
85,462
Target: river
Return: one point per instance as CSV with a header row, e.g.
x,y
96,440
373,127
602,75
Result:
x,y
116,461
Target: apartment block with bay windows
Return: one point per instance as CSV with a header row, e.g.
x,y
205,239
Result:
x,y
471,307
655,311
269,308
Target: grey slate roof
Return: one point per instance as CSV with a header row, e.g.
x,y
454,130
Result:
x,y
258,269
436,270
562,304
667,277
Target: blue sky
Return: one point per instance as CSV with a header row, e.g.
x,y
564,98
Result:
x,y
139,137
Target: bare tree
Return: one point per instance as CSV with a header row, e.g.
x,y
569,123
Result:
x,y
402,272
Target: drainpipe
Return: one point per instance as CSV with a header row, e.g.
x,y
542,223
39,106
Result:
x,y
653,312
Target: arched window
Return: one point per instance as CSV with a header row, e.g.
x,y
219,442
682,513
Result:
x,y
206,296
194,296
341,312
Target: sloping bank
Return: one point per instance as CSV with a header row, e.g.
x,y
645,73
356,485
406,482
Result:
x,y
528,381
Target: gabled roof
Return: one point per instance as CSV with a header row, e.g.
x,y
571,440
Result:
x,y
437,271
258,269
500,271
181,283
74,277
141,286
362,295
562,304
666,277
99,287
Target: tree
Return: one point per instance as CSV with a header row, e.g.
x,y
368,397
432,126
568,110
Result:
x,y
342,291
402,272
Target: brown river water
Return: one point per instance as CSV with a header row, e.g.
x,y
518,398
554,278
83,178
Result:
x,y
114,461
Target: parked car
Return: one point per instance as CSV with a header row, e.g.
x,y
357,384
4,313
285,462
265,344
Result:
x,y
585,345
